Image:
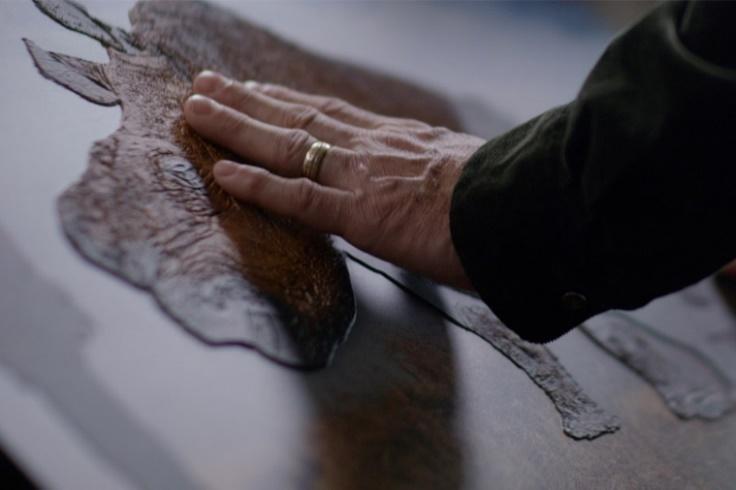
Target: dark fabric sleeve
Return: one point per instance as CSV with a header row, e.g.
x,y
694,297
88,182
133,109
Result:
x,y
625,194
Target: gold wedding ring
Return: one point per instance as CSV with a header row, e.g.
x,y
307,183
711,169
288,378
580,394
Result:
x,y
313,159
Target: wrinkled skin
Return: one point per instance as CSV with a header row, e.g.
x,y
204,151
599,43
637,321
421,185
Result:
x,y
385,186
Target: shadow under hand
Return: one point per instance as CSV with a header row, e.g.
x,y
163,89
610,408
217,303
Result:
x,y
386,406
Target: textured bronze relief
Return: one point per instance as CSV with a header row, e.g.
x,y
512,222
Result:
x,y
147,208
689,378
582,417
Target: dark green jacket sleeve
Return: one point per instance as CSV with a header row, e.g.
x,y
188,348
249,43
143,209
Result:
x,y
625,194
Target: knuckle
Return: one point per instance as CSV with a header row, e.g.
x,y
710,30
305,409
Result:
x,y
305,196
358,141
430,133
266,88
227,89
252,181
237,95
303,117
230,123
332,106
400,140
271,90
357,165
295,144
375,142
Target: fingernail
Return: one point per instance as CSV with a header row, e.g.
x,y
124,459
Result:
x,y
250,84
200,105
208,82
224,168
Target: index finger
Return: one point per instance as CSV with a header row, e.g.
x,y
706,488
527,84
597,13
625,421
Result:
x,y
318,207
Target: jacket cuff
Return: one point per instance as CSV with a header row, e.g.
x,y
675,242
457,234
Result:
x,y
514,222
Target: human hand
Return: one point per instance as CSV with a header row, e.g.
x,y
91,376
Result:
x,y
384,186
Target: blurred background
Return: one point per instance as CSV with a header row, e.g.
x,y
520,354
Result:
x,y
519,57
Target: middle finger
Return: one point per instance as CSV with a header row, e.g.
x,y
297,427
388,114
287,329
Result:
x,y
273,111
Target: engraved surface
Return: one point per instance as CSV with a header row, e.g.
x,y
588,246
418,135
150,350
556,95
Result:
x,y
147,208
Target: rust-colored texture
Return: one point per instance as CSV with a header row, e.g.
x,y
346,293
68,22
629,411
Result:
x,y
147,208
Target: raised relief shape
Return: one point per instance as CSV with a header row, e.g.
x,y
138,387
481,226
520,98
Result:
x,y
668,344
582,417
147,208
